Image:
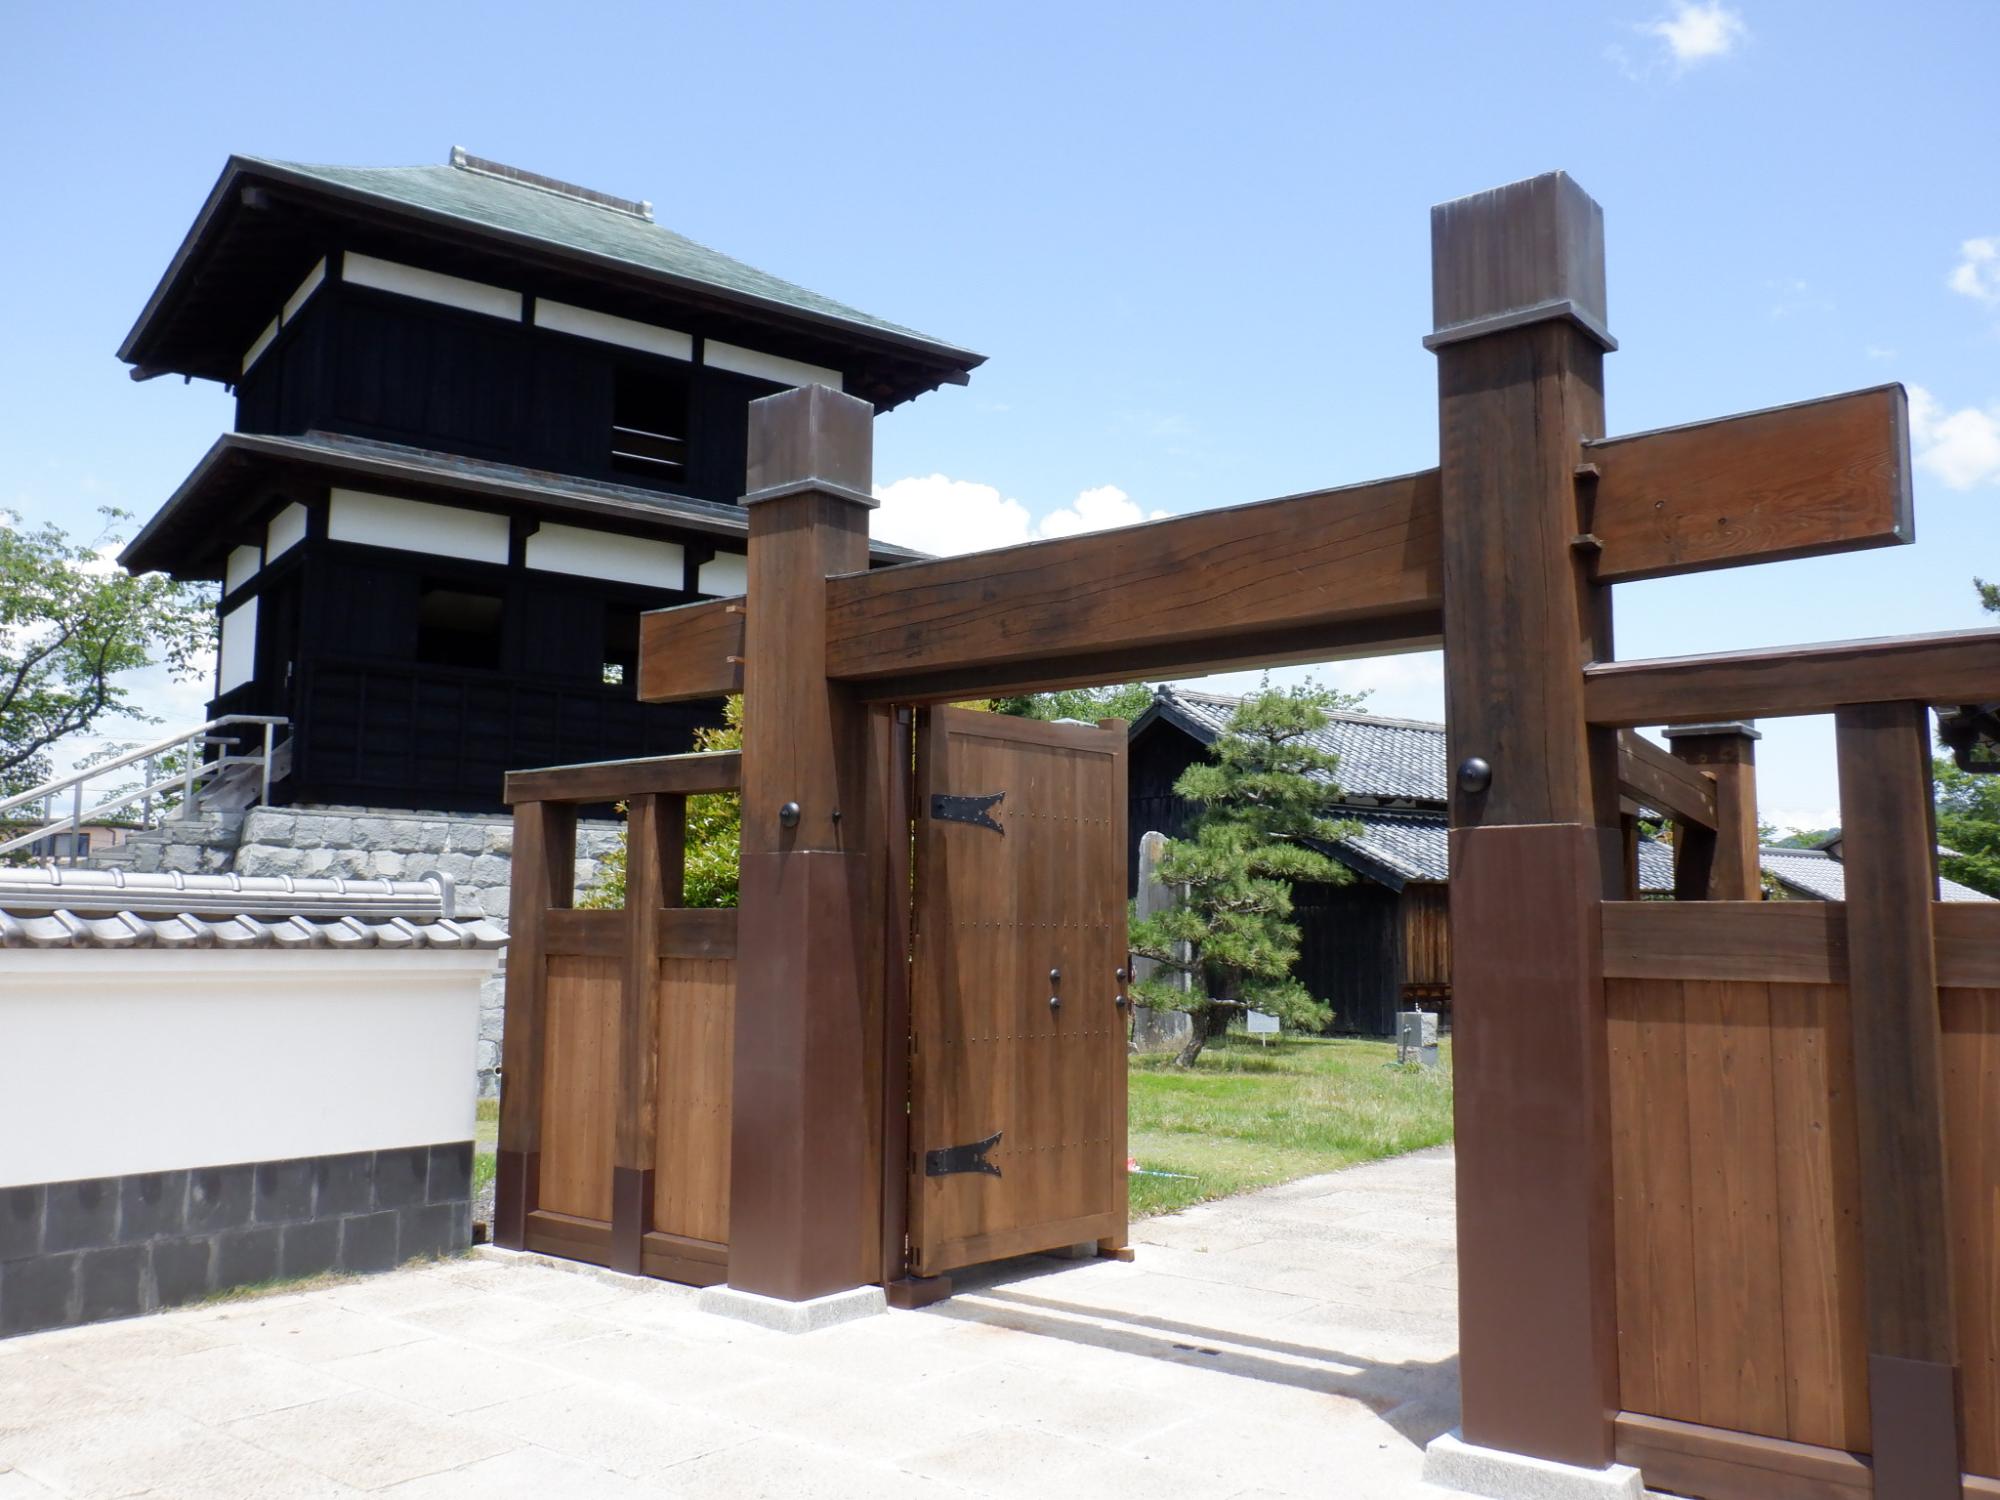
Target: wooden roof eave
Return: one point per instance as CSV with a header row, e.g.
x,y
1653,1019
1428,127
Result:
x,y
938,364
235,459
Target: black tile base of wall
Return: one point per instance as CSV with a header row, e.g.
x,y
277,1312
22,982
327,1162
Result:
x,y
111,1247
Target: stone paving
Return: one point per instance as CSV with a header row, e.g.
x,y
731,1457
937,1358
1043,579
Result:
x,y
1298,1341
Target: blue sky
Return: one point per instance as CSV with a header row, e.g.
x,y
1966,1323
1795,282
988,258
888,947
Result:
x,y
1193,239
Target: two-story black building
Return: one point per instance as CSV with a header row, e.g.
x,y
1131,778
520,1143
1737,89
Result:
x,y
483,420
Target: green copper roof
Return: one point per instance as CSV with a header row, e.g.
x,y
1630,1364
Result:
x,y
574,223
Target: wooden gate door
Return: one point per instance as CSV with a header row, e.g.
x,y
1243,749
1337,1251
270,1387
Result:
x,y
1018,1003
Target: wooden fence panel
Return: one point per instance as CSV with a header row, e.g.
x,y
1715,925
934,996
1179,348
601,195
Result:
x,y
580,1086
697,999
1972,1148
1735,1171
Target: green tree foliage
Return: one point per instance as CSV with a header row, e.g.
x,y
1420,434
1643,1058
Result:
x,y
1968,824
72,623
1267,797
714,834
1968,806
1088,704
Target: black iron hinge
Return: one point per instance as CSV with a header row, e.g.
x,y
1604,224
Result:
x,y
947,807
971,1157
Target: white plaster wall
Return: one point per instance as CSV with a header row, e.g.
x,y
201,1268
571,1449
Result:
x,y
432,286
767,366
555,548
286,530
240,568
416,526
263,342
237,662
306,288
607,328
142,1060
724,573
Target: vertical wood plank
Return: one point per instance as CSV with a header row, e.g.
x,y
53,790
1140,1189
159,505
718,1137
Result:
x,y
648,848
543,875
1658,1355
691,1145
1972,1115
1819,1217
1734,1173
1890,859
1108,885
898,834
580,1103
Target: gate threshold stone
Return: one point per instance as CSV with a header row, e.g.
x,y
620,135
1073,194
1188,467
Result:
x,y
793,1317
1451,1463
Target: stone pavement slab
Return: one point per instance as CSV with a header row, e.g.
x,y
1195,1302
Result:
x,y
1290,1343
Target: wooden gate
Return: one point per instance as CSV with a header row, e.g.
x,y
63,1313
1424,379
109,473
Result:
x,y
1018,1001
615,1081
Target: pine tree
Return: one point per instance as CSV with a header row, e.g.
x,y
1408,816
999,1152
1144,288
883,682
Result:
x,y
1267,798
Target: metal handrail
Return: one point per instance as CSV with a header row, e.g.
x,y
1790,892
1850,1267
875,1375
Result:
x,y
194,770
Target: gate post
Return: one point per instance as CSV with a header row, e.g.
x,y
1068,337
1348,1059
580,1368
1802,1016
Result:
x,y
1728,752
805,1134
1518,295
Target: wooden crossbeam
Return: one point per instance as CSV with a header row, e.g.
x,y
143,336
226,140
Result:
x,y
693,651
1313,577
1652,776
1955,666
1795,481
614,780
1286,579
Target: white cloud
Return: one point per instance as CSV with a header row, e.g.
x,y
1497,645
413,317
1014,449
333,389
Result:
x,y
1977,274
1962,448
939,514
1405,686
1696,33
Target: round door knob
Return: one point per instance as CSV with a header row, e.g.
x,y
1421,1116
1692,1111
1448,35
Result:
x,y
1121,976
788,815
1122,1001
1055,976
1055,1002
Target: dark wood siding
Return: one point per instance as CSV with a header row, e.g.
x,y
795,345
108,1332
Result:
x,y
1350,953
1350,936
379,721
371,364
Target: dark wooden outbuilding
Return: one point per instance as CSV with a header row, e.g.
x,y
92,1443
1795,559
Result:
x,y
484,420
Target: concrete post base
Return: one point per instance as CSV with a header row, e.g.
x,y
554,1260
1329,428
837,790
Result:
x,y
792,1317
1451,1463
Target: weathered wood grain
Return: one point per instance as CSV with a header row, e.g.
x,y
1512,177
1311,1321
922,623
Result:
x,y
1971,1019
1797,942
691,651
1309,567
1819,1217
1957,666
581,1091
1722,1464
1654,777
1005,922
614,780
1794,481
1890,859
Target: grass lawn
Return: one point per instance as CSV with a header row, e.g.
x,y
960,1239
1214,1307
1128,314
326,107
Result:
x,y
485,1142
1244,1116
1248,1115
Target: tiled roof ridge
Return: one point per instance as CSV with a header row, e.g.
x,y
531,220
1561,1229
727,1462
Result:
x,y
828,306
1340,715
